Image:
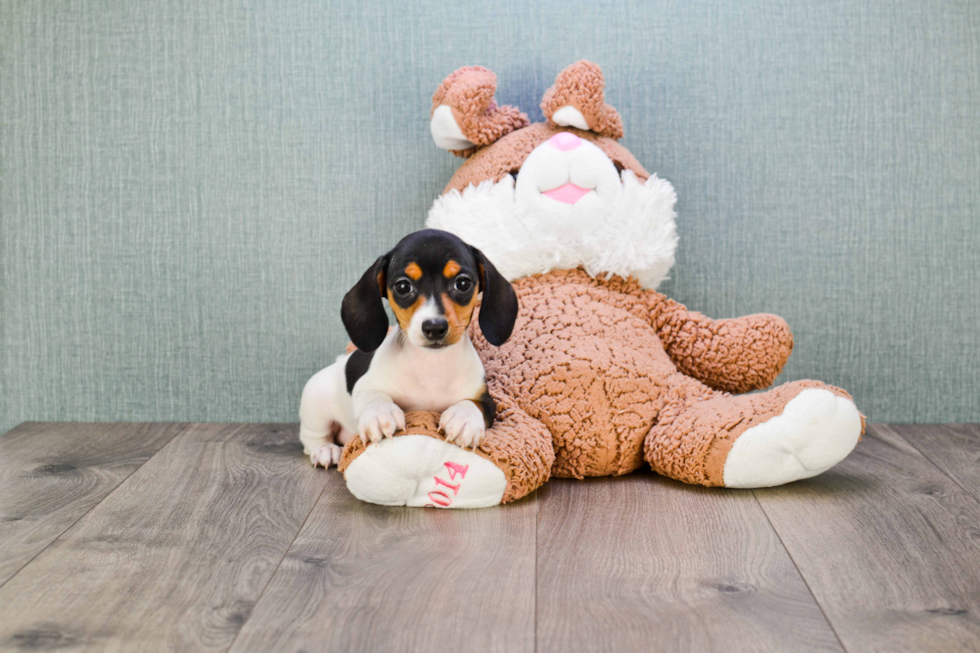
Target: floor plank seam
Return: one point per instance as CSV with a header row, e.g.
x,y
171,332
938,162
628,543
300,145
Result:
x,y
537,522
278,564
122,482
755,495
942,471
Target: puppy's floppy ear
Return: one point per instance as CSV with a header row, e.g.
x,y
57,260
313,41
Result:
x,y
498,312
362,311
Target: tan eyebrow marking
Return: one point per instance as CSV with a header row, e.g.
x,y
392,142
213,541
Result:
x,y
413,271
451,270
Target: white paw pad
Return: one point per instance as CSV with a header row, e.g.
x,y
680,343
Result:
x,y
815,431
416,470
326,455
463,424
380,420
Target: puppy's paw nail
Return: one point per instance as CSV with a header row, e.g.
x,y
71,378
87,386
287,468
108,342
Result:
x,y
463,424
326,455
380,421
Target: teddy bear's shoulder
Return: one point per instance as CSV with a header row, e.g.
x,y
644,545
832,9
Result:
x,y
565,310
568,285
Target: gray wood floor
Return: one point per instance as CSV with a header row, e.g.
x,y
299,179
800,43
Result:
x,y
222,537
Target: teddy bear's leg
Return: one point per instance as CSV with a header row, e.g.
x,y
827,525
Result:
x,y
795,431
418,467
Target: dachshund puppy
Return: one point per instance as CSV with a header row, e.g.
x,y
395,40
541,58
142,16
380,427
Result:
x,y
431,280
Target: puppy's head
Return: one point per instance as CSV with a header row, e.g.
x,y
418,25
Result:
x,y
431,280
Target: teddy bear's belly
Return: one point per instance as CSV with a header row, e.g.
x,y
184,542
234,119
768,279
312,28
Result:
x,y
592,372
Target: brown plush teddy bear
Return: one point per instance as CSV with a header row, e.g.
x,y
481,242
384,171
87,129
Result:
x,y
602,372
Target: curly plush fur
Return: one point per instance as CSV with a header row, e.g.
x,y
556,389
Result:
x,y
521,242
581,86
469,94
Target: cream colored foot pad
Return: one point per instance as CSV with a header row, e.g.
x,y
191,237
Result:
x,y
815,431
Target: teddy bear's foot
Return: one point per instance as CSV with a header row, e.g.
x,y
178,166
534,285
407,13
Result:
x,y
418,470
814,432
793,431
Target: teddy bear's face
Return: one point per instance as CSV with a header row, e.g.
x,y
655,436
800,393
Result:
x,y
548,196
565,176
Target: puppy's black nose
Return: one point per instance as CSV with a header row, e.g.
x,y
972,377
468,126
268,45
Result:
x,y
435,329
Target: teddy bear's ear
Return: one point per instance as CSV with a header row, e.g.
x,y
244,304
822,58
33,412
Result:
x,y
577,100
465,115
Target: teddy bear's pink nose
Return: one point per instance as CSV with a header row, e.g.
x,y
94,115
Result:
x,y
565,141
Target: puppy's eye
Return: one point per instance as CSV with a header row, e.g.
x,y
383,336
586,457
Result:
x,y
463,284
403,287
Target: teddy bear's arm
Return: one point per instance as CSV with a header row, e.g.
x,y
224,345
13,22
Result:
x,y
735,355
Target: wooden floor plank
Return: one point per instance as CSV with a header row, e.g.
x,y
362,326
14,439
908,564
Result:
x,y
643,563
53,473
953,448
889,546
182,551
176,557
362,577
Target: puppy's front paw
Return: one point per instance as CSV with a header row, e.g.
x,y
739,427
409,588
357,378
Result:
x,y
379,421
463,424
326,455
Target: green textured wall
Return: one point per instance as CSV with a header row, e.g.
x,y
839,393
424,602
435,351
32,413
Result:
x,y
188,188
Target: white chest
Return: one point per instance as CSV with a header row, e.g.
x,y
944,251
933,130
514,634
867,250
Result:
x,y
419,379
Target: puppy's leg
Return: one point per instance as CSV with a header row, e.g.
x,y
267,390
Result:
x,y
464,424
344,436
320,413
377,415
327,454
